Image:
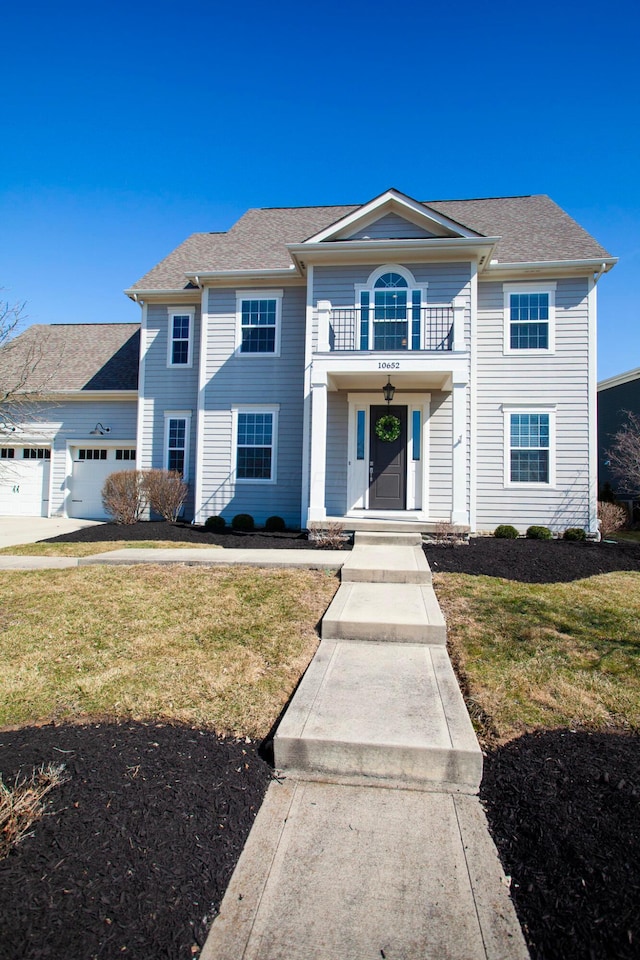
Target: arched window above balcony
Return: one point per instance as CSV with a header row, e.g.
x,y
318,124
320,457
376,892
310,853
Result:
x,y
390,310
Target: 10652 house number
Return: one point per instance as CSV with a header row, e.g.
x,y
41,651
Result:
x,y
389,365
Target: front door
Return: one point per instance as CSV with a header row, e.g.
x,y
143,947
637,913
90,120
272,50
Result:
x,y
388,462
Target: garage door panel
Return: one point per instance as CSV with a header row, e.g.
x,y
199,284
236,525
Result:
x,y
24,481
90,468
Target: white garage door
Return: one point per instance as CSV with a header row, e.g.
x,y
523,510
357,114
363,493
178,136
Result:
x,y
91,467
24,481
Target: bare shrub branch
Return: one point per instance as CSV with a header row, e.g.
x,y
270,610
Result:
x,y
624,455
328,537
123,496
165,491
22,804
612,517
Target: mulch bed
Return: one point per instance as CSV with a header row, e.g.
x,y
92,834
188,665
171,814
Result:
x,y
533,561
136,849
188,534
138,846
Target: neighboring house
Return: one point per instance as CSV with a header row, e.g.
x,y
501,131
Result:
x,y
265,351
75,421
616,396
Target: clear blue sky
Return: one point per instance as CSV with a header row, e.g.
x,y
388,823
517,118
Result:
x,y
128,126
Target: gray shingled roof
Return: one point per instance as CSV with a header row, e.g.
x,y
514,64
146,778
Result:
x,y
72,356
531,228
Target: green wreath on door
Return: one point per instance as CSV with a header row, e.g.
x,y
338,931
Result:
x,y
387,428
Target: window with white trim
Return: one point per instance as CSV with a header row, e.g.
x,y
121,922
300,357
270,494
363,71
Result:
x,y
256,433
180,339
529,318
390,307
530,446
176,441
258,322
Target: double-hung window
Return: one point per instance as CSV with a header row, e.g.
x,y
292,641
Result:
x,y
390,310
529,447
529,318
256,434
180,339
176,445
258,322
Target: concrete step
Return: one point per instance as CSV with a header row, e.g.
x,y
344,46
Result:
x,y
386,564
388,612
378,539
380,712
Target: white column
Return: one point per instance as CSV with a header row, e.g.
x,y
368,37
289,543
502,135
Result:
x,y
458,324
324,314
459,511
317,511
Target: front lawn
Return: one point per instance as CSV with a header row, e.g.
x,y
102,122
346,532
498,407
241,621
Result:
x,y
539,656
221,648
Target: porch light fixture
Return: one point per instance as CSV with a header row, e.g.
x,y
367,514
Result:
x,y
388,390
99,430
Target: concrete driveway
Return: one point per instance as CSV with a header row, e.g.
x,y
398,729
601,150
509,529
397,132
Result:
x,y
16,530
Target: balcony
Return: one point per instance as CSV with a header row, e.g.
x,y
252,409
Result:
x,y
434,329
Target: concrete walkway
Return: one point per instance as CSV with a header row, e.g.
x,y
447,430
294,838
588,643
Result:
x,y
18,530
375,845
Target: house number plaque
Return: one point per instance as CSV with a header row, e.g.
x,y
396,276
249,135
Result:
x,y
389,365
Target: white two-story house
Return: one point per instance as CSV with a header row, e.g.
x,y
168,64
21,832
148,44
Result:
x,y
395,361
399,360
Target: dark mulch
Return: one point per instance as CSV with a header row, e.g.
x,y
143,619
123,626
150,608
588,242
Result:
x,y
189,534
564,810
136,850
534,561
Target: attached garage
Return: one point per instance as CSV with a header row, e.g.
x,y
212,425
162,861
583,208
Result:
x,y
24,481
90,468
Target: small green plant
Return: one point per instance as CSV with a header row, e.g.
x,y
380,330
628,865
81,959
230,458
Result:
x,y
575,533
539,533
505,532
274,525
217,524
243,522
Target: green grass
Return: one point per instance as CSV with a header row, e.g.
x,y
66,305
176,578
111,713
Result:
x,y
222,648
81,549
546,655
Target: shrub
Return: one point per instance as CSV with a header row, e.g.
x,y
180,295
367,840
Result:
x,y
506,532
123,496
274,524
612,517
575,533
215,523
539,533
165,492
331,537
243,521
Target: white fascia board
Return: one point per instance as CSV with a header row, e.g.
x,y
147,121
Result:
x,y
81,395
162,295
495,270
370,251
394,200
619,379
224,277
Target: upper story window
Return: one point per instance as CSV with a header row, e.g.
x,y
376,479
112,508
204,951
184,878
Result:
x,y
180,340
258,322
529,318
390,311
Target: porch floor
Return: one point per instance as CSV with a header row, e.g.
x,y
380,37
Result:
x,y
390,524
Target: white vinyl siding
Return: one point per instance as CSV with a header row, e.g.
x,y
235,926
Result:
x,y
532,380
